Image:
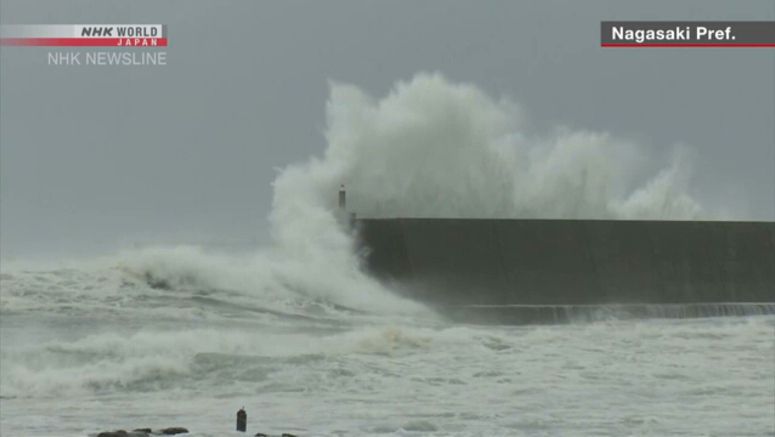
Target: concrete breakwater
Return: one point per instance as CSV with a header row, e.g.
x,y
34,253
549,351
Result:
x,y
572,263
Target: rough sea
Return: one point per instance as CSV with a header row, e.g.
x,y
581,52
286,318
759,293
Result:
x,y
96,348
297,334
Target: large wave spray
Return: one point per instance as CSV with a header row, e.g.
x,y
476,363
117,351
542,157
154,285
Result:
x,y
432,148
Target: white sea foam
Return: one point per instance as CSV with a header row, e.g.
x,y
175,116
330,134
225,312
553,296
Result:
x,y
615,377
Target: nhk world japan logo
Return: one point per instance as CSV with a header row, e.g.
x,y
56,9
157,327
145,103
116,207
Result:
x,y
84,35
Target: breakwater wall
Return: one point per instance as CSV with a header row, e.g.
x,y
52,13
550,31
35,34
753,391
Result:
x,y
465,262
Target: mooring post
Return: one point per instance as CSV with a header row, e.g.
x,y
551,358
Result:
x,y
242,420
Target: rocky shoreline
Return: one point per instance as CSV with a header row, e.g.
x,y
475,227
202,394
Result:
x,y
143,432
146,432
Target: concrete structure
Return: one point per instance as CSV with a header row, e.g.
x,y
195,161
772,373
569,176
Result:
x,y
535,264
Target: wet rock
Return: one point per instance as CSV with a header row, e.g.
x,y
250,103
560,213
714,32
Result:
x,y
121,433
117,433
143,432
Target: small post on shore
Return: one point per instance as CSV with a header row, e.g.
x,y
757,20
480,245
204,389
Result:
x,y
242,420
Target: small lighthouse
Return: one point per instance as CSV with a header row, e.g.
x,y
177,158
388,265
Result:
x,y
344,217
342,198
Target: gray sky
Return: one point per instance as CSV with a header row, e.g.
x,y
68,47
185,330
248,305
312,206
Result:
x,y
96,158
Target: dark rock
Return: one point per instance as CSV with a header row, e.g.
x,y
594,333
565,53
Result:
x,y
260,434
142,432
174,430
285,434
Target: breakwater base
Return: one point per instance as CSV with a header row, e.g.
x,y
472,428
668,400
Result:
x,y
533,270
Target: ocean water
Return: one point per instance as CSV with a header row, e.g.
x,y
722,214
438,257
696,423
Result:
x,y
297,334
96,348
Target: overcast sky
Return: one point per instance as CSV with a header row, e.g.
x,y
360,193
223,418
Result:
x,y
96,158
